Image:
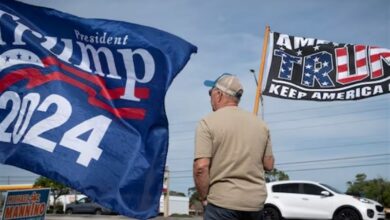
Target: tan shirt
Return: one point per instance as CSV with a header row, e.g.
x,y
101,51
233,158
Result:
x,y
236,142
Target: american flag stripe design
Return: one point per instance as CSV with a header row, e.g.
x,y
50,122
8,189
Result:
x,y
342,62
376,56
342,59
361,60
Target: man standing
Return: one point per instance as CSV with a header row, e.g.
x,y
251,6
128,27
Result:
x,y
232,150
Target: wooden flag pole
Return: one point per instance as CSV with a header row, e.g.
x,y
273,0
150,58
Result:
x,y
261,70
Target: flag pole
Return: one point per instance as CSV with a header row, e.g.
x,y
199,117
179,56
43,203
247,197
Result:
x,y
261,70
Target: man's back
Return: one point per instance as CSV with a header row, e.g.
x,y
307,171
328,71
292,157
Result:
x,y
236,142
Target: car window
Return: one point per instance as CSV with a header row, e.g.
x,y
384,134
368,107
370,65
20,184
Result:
x,y
82,200
332,188
312,189
286,188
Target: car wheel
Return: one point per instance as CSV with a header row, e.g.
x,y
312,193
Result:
x,y
271,213
69,211
98,212
347,214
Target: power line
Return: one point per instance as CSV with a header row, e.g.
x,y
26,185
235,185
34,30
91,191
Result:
x,y
333,146
282,129
299,119
328,115
181,171
321,108
338,167
310,161
24,177
310,169
333,159
328,124
306,149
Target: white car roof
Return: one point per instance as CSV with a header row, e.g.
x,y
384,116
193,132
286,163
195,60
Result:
x,y
292,181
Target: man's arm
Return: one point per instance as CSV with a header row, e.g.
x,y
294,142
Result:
x,y
268,163
202,176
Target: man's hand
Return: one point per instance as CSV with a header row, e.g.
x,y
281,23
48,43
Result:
x,y
268,163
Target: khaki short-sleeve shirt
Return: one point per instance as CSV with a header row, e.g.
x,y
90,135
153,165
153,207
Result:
x,y
236,142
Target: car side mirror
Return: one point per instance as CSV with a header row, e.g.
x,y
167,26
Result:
x,y
325,193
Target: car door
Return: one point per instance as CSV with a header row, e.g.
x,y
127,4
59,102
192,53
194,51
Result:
x,y
80,207
316,205
89,207
286,196
84,206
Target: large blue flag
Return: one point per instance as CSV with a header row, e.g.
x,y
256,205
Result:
x,y
82,102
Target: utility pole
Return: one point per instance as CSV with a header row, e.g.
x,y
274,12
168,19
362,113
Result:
x,y
166,188
261,97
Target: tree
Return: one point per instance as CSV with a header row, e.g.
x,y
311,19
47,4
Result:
x,y
275,175
193,194
57,189
355,188
175,193
377,189
194,200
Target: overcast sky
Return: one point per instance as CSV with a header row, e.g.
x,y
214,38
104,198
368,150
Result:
x,y
342,138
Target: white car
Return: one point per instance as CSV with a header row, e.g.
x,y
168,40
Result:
x,y
312,200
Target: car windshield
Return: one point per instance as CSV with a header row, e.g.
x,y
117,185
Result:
x,y
332,188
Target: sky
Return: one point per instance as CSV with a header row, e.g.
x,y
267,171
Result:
x,y
329,142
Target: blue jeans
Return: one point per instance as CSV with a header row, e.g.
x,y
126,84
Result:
x,y
213,212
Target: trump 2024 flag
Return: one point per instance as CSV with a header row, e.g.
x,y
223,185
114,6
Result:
x,y
319,70
82,102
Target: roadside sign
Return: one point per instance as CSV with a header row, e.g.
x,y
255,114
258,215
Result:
x,y
26,204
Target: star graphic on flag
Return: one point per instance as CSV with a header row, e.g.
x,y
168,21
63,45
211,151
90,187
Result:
x,y
325,83
308,66
306,82
307,74
299,52
325,63
316,48
18,56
